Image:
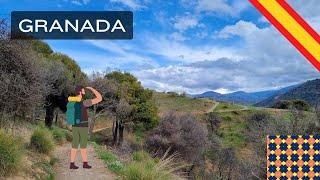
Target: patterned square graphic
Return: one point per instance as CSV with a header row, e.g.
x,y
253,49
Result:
x,y
293,157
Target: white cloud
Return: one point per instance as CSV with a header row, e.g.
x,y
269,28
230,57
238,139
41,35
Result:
x,y
110,46
80,2
264,59
115,54
183,23
133,4
181,52
241,28
222,7
178,36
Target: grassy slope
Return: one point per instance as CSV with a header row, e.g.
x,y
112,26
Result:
x,y
166,102
228,106
233,124
34,165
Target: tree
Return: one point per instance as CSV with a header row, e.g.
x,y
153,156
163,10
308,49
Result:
x,y
125,99
129,91
293,104
108,90
33,75
23,84
63,76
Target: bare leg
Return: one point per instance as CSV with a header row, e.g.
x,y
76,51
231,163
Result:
x,y
84,155
73,154
85,158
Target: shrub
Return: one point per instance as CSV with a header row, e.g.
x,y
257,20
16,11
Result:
x,y
42,140
143,166
67,135
22,77
59,135
140,156
180,133
10,154
293,104
109,159
301,105
213,120
259,116
116,166
146,168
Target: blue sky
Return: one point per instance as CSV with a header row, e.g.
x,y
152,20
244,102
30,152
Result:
x,y
189,45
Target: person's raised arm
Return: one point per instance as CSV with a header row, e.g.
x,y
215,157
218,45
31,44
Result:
x,y
98,97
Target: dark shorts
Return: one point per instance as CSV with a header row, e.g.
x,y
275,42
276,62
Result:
x,y
79,137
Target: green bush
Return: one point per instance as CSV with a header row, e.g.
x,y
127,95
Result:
x,y
143,166
10,154
68,135
293,104
140,156
59,135
116,166
109,159
147,168
42,140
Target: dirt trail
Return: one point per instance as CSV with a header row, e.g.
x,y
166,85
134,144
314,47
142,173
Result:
x,y
101,129
214,106
98,171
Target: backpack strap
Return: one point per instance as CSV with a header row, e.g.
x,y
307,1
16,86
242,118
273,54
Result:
x,y
74,99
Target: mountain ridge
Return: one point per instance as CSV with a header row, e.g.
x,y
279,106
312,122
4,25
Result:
x,y
243,97
307,91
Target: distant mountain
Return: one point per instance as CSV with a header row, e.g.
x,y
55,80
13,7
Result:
x,y
308,91
242,97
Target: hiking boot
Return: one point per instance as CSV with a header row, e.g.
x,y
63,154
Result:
x,y
73,166
86,165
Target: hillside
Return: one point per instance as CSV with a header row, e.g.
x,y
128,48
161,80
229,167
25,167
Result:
x,y
242,97
308,91
167,102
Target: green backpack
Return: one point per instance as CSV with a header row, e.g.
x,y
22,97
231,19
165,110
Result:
x,y
73,113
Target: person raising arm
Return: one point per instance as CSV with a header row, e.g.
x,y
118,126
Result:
x,y
96,100
80,131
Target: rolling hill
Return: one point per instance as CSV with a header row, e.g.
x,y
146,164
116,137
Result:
x,y
308,91
242,97
168,102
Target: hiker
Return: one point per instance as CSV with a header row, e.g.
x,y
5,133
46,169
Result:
x,y
80,126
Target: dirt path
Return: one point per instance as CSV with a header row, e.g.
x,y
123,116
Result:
x,y
213,107
101,129
98,171
245,108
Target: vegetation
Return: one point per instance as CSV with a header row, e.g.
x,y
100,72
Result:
x,y
293,104
60,135
222,106
127,100
142,166
42,140
10,154
145,167
111,160
179,133
167,102
226,141
308,92
32,75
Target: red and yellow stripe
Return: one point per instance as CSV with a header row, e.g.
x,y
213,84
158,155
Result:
x,y
293,27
